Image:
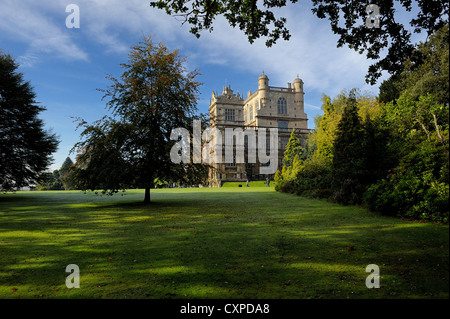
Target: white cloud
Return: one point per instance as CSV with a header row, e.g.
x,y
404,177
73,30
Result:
x,y
28,22
27,60
311,52
112,23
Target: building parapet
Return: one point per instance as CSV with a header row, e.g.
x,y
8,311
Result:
x,y
281,89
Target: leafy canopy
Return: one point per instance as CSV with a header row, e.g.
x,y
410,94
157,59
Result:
x,y
293,148
347,19
131,148
425,71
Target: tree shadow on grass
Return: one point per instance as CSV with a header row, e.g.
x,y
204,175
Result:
x,y
190,246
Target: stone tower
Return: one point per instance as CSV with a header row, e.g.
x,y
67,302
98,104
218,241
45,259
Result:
x,y
263,90
298,97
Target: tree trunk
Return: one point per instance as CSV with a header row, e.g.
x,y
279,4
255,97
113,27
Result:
x,y
147,195
439,134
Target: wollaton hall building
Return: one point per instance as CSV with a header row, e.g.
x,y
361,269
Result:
x,y
267,107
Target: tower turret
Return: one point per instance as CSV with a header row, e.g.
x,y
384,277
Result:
x,y
298,97
263,82
263,89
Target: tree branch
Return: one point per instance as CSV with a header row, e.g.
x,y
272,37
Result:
x,y
423,126
443,141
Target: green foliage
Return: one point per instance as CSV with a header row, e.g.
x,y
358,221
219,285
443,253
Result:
x,y
61,179
360,153
424,72
388,89
427,70
418,185
394,159
278,180
292,164
25,147
67,177
314,179
323,137
66,165
392,39
293,148
422,117
154,95
50,181
348,157
391,157
326,125
193,174
345,151
417,188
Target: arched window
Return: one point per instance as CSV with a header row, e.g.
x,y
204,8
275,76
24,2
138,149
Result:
x,y
282,106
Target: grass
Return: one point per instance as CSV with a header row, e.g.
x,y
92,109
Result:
x,y
213,243
244,184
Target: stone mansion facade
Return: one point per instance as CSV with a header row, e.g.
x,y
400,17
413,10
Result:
x,y
267,107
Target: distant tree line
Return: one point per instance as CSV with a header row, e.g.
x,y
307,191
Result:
x,y
390,153
61,179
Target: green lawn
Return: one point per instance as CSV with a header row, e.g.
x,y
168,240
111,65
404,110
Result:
x,y
244,184
213,243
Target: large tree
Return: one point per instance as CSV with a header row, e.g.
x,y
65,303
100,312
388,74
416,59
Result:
x,y
425,72
131,148
66,172
293,148
347,19
359,154
347,155
25,146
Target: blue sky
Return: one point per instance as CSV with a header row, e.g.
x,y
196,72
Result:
x,y
66,66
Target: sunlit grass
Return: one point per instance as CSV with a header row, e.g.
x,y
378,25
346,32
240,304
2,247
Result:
x,y
225,242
